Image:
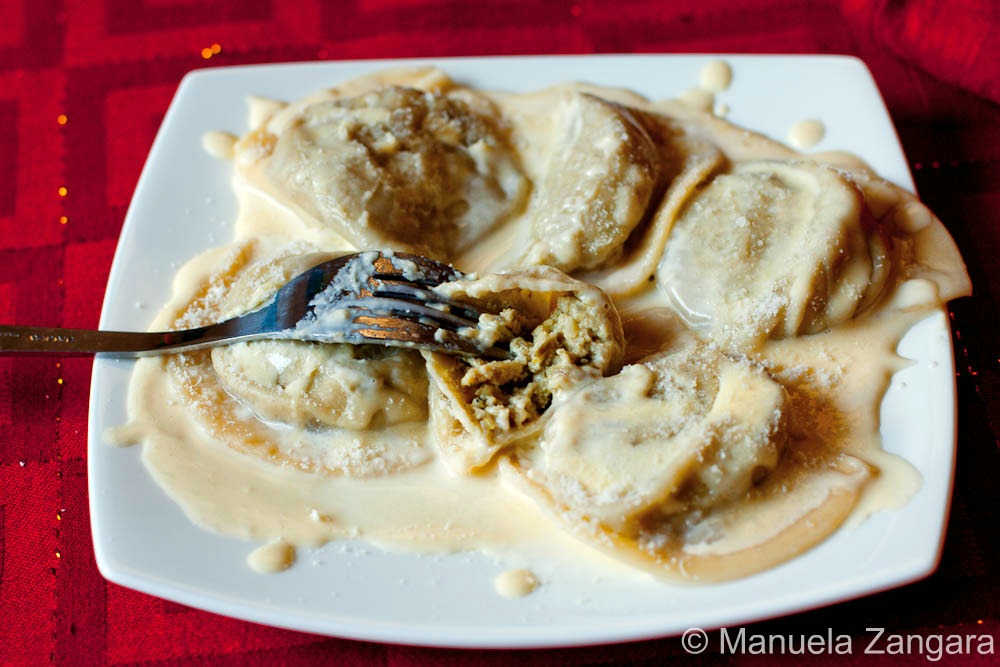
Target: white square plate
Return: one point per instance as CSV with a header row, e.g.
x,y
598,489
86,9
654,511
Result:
x,y
183,205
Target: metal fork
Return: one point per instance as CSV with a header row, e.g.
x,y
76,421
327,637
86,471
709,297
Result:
x,y
383,298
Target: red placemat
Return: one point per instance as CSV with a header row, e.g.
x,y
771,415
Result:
x,y
83,87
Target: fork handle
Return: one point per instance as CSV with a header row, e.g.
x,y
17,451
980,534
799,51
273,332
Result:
x,y
42,340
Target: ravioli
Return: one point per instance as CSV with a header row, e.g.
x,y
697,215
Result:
x,y
600,176
684,429
418,170
560,333
774,249
312,385
327,409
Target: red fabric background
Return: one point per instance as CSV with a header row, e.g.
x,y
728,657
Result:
x,y
110,68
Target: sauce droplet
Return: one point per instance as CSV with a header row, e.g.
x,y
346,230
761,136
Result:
x,y
515,583
125,435
806,133
273,557
716,76
218,144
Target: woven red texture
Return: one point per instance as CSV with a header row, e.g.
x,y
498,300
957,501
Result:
x,y
83,86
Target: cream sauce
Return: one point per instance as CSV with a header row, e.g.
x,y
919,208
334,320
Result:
x,y
806,133
220,145
238,474
515,583
272,558
716,76
698,98
424,509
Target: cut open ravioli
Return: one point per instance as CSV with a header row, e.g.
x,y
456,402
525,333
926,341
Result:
x,y
560,332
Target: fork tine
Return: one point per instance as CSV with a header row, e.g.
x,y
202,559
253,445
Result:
x,y
414,268
412,310
386,298
404,332
396,289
